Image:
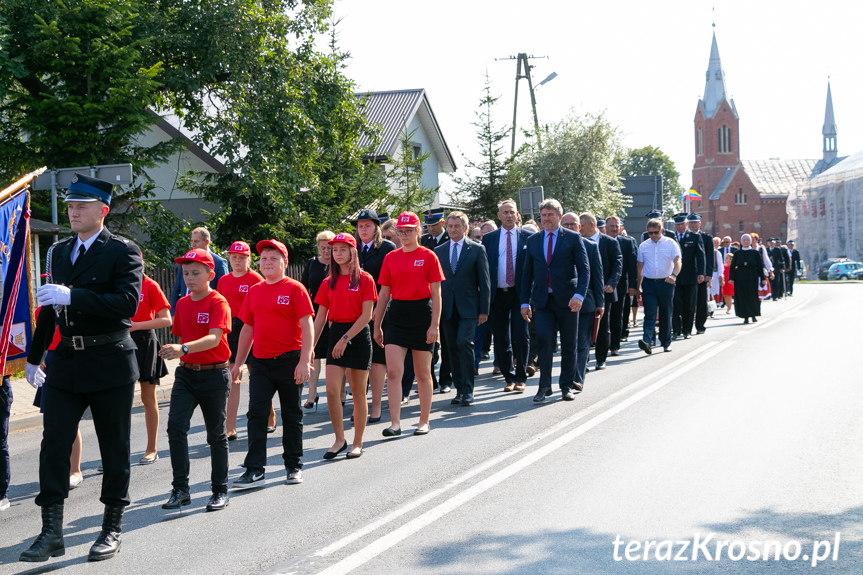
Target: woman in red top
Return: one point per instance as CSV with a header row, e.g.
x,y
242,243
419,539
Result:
x,y
728,287
154,312
346,298
234,286
411,276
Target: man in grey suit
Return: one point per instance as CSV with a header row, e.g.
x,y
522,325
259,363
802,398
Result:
x,y
464,301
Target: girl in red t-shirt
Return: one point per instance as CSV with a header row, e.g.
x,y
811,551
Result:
x,y
411,276
345,299
154,312
234,286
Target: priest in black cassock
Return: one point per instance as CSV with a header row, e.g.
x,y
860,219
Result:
x,y
747,271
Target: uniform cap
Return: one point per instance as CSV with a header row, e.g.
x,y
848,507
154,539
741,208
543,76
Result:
x,y
790,242
197,255
600,223
433,216
408,220
276,244
653,214
680,218
240,247
383,216
344,238
86,189
370,215
693,217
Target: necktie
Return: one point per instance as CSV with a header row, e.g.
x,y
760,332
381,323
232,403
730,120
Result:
x,y
365,250
453,261
548,256
81,251
510,272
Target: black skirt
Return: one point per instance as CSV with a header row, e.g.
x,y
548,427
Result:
x,y
358,354
234,340
323,345
379,354
151,367
407,324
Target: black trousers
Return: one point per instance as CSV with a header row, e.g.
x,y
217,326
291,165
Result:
x,y
777,286
458,349
684,308
208,389
445,375
701,306
585,335
618,315
549,320
112,417
5,412
266,378
603,336
657,297
789,281
511,338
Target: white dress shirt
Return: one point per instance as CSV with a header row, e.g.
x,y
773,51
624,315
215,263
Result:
x,y
658,257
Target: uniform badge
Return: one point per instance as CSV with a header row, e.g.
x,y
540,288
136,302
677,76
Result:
x,y
244,289
203,317
75,179
419,263
284,300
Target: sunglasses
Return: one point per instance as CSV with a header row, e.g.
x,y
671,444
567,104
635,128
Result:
x,y
654,233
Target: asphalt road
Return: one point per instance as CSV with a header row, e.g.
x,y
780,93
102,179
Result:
x,y
746,437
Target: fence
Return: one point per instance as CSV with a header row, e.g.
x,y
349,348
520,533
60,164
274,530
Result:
x,y
165,278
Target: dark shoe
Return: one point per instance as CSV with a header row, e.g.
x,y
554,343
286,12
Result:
x,y
49,543
419,431
248,480
687,336
643,345
568,395
390,432
273,429
600,365
445,389
530,370
108,544
542,395
456,400
467,399
177,499
232,437
295,477
745,321
675,337
354,454
476,371
312,404
700,331
217,501
577,387
614,353
373,419
666,349
754,320
149,460
485,355
332,454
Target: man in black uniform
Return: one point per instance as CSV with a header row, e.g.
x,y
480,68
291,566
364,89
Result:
x,y
691,274
781,264
693,220
435,236
794,258
94,286
618,316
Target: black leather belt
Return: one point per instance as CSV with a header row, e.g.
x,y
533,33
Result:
x,y
80,342
506,289
655,279
287,355
203,366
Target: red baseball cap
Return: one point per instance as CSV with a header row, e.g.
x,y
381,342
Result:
x,y
197,255
408,220
275,244
240,247
345,239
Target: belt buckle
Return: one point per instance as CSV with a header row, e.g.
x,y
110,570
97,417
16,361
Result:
x,y
197,367
78,342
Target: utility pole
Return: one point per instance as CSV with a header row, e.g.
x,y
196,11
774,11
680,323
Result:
x,y
522,60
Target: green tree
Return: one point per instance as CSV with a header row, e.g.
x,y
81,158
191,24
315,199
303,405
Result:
x,y
486,182
405,177
576,164
650,161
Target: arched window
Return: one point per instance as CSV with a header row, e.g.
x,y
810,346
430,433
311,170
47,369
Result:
x,y
724,136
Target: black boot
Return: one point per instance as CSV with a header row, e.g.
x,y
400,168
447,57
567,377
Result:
x,y
108,542
49,543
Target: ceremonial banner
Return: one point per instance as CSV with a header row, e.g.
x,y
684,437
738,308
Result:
x,y
16,311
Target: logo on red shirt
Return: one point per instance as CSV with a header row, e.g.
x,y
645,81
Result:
x,y
141,297
244,289
354,288
284,300
419,263
203,318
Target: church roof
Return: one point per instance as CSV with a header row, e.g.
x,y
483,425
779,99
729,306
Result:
x,y
724,183
778,177
714,86
829,128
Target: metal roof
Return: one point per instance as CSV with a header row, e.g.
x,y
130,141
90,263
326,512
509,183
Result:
x,y
723,183
714,85
829,128
778,177
392,111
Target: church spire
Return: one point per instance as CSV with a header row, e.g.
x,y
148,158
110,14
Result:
x,y
714,85
829,130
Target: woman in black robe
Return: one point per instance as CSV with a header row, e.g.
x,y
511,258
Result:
x,y
747,270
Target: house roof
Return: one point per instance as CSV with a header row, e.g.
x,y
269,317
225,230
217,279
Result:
x,y
392,111
43,228
196,150
778,177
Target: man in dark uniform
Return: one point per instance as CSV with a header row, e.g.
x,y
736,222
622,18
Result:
x,y
691,274
618,319
693,221
657,215
435,236
781,264
94,286
794,258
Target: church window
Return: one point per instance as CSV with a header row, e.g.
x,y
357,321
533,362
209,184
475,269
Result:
x,y
740,198
724,135
740,227
700,142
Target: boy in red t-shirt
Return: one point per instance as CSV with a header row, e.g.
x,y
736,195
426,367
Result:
x,y
277,314
202,322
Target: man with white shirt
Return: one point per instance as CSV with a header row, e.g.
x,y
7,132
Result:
x,y
658,265
505,248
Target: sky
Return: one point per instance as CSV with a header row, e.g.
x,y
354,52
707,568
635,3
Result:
x,y
641,63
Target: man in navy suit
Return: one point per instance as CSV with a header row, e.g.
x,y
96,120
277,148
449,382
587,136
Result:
x,y
618,315
556,276
464,302
506,249
612,267
200,239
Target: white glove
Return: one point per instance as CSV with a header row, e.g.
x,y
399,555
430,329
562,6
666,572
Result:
x,y
34,375
53,294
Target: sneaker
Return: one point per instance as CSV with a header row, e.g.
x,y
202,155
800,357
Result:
x,y
4,504
295,476
248,480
